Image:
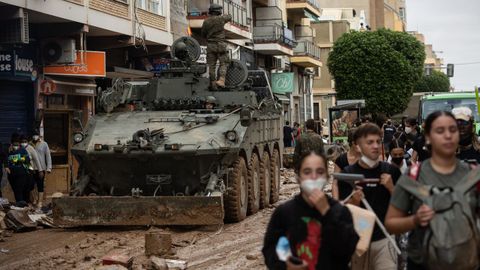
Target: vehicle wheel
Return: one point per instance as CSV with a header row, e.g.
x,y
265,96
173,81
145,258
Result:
x,y
236,198
265,181
275,176
254,185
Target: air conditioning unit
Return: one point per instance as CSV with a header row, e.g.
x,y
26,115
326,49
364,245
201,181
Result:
x,y
58,51
279,63
14,28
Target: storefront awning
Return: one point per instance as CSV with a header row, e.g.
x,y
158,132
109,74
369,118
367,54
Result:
x,y
73,86
283,98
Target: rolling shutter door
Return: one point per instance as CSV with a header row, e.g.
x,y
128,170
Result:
x,y
16,109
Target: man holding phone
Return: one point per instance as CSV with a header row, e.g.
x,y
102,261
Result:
x,y
381,178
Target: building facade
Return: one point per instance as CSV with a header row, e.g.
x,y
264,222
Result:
x,y
58,53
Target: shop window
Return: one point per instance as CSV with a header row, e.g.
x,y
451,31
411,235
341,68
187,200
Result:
x,y
56,129
55,101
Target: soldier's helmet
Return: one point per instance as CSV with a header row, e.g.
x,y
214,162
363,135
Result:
x,y
211,100
215,9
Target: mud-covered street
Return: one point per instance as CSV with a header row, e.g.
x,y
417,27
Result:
x,y
231,246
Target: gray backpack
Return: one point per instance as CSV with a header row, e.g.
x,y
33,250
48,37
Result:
x,y
452,239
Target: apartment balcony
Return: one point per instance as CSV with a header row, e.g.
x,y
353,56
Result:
x,y
238,28
273,40
306,54
312,6
262,3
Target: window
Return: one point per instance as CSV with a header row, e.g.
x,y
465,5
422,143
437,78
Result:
x,y
154,6
401,11
316,111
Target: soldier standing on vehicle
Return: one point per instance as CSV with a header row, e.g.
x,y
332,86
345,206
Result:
x,y
213,31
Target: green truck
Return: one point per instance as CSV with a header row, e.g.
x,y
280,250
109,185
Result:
x,y
446,102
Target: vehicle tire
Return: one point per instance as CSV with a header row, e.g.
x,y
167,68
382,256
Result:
x,y
253,185
265,181
236,198
275,176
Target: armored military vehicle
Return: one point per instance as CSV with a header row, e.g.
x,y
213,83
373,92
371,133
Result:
x,y
175,152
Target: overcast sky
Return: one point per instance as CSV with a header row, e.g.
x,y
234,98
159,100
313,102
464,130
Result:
x,y
454,28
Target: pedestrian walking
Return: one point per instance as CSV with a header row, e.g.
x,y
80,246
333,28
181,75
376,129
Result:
x,y
441,172
45,165
469,146
397,155
18,162
319,229
213,30
388,132
309,141
420,151
377,191
296,133
346,159
411,133
287,135
34,163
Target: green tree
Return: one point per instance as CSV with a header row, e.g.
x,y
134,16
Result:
x,y
435,82
380,66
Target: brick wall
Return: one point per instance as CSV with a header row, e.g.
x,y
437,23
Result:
x,y
113,7
151,19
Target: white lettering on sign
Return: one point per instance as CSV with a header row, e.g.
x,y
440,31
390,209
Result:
x,y
5,57
23,64
5,62
76,69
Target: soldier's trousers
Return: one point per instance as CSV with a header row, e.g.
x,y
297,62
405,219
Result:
x,y
217,51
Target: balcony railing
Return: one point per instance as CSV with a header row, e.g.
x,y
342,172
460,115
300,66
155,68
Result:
x,y
273,34
314,3
199,8
239,13
307,48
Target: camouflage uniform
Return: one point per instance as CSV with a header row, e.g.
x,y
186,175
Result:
x,y
308,142
213,31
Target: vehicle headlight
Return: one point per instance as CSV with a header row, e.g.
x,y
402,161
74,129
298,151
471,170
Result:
x,y
78,137
231,135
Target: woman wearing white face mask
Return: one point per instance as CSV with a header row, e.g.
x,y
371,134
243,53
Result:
x,y
319,229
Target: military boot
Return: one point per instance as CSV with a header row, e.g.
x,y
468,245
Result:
x,y
221,82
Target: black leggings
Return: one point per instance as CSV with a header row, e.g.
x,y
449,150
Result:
x,y
19,181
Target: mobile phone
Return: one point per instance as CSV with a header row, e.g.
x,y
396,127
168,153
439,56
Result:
x,y
295,260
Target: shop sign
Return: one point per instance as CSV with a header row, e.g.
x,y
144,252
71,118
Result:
x,y
93,66
48,87
282,82
17,64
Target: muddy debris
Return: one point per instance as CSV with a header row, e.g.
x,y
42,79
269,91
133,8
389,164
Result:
x,y
158,263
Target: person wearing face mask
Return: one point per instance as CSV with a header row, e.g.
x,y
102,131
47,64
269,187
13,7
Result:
x,y
468,147
45,159
319,229
411,133
368,140
18,162
397,155
409,214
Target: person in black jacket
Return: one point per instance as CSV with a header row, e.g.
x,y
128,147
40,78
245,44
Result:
x,y
319,229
